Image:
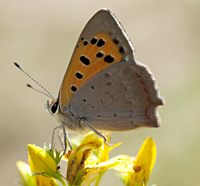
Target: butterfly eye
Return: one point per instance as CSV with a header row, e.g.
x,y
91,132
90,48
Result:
x,y
54,107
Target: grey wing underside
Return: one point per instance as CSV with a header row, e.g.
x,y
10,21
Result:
x,y
122,97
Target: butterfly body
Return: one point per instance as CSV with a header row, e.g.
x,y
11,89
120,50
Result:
x,y
104,86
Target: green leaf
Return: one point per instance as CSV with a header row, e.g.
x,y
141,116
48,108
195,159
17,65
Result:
x,y
78,179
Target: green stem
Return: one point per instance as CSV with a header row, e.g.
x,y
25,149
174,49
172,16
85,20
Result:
x,y
61,181
99,178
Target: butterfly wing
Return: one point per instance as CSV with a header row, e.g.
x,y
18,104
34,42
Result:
x,y
102,43
121,97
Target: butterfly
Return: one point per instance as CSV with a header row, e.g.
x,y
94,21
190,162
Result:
x,y
104,87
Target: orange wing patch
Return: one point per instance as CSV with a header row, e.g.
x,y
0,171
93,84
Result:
x,y
89,58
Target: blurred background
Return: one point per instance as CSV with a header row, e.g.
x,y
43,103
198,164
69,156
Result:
x,y
41,34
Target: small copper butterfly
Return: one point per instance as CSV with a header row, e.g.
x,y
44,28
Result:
x,y
104,87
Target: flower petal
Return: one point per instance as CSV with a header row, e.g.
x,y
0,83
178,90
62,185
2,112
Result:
x,y
94,172
126,164
25,173
42,161
78,157
40,180
144,163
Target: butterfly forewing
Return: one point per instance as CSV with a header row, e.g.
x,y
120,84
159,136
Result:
x,y
102,43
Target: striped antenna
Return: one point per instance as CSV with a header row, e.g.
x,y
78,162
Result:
x,y
49,94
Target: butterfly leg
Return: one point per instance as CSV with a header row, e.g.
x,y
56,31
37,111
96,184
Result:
x,y
52,139
66,139
59,137
69,141
98,133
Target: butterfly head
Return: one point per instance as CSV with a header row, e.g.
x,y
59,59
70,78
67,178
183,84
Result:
x,y
53,107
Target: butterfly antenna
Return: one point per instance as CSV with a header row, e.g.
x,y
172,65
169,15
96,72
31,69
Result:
x,y
48,93
30,86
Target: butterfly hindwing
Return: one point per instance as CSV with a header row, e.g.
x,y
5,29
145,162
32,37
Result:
x,y
121,97
102,43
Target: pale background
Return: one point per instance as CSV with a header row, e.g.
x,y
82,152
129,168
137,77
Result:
x,y
41,35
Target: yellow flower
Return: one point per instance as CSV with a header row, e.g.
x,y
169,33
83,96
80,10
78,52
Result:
x,y
41,160
43,164
97,165
92,167
77,159
40,180
102,153
143,164
87,163
92,173
43,167
25,173
137,170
